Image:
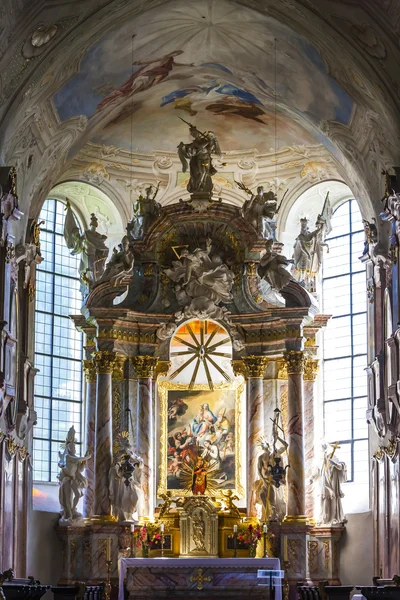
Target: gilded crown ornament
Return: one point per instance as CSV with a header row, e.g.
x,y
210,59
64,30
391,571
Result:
x,y
104,361
295,361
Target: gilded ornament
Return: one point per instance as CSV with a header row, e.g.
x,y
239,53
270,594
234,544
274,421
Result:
x,y
11,447
311,369
327,551
239,367
371,293
200,578
378,454
118,370
31,292
144,365
312,555
90,370
282,369
22,453
116,411
104,361
162,368
10,253
251,269
255,365
148,269
295,361
72,555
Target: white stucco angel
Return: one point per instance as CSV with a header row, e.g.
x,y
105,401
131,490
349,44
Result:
x,y
331,474
72,481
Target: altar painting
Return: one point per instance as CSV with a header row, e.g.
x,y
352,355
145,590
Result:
x,y
200,440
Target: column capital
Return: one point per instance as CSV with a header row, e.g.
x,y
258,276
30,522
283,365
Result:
x,y
104,361
295,361
90,370
144,365
239,367
162,368
255,365
118,369
311,369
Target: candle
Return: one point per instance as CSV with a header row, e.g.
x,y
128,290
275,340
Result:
x,y
162,527
265,528
235,529
108,548
132,528
285,552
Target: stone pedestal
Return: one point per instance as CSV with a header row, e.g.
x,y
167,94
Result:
x,y
255,367
144,367
104,363
323,554
90,375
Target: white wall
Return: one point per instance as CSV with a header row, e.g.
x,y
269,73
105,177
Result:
x,y
357,550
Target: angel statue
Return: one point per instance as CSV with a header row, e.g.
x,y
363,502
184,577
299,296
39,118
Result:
x,y
90,245
72,482
146,211
198,153
272,268
125,475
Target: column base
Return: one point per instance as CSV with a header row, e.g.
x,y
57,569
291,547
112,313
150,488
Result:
x,y
297,520
100,520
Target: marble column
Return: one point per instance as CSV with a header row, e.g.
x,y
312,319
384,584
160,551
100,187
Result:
x,y
144,367
310,375
255,367
90,376
295,474
104,362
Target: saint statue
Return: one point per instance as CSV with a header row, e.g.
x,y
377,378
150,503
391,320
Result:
x,y
332,475
202,276
72,482
125,480
267,495
120,264
198,153
90,245
260,208
146,211
272,268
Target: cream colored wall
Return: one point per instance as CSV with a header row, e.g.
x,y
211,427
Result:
x,y
357,550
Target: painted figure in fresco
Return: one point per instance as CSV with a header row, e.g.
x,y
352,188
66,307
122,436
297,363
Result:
x,y
198,153
148,74
333,474
202,275
146,211
72,481
272,268
258,208
266,494
90,245
199,481
125,496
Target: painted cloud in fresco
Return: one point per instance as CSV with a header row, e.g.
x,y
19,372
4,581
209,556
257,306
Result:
x,y
213,63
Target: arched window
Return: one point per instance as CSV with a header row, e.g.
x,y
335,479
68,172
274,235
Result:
x,y
345,342
58,345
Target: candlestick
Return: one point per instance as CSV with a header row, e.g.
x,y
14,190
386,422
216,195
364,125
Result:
x,y
265,541
133,542
285,583
285,549
108,554
162,527
265,528
133,528
235,529
235,541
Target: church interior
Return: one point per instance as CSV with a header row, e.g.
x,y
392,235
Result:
x,y
199,299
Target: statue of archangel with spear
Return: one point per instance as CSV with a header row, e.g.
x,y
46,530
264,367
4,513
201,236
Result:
x,y
198,153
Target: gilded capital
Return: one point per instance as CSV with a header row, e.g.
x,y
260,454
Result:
x,y
90,370
104,361
255,365
311,369
238,366
282,369
295,361
144,365
118,370
162,368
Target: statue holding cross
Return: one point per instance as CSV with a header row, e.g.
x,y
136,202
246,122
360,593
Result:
x,y
333,474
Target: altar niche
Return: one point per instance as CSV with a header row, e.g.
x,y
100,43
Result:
x,y
198,524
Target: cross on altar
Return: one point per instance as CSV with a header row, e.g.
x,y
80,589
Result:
x,y
199,578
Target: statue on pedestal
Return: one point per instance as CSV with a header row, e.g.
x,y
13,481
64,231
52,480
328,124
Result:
x,y
90,245
272,268
120,264
72,481
125,486
259,209
332,474
198,153
146,211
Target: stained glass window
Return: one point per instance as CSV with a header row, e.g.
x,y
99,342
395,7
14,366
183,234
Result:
x,y
58,345
345,342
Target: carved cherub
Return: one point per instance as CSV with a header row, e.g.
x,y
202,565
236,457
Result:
x,y
230,507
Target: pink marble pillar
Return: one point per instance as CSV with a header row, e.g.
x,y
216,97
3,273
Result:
x,y
310,374
254,369
295,473
104,362
144,367
90,375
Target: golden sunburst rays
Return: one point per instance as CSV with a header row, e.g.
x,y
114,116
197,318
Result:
x,y
211,469
201,351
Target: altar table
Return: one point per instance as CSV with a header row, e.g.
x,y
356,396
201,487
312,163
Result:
x,y
198,577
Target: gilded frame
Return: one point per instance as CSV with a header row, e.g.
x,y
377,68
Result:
x,y
163,388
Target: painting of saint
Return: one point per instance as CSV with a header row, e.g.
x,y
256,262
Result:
x,y
201,440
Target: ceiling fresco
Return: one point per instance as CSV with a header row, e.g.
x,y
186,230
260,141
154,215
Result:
x,y
212,63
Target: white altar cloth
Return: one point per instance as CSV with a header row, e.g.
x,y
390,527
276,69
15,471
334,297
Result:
x,y
258,563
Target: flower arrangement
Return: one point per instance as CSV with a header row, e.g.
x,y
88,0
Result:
x,y
147,536
249,537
